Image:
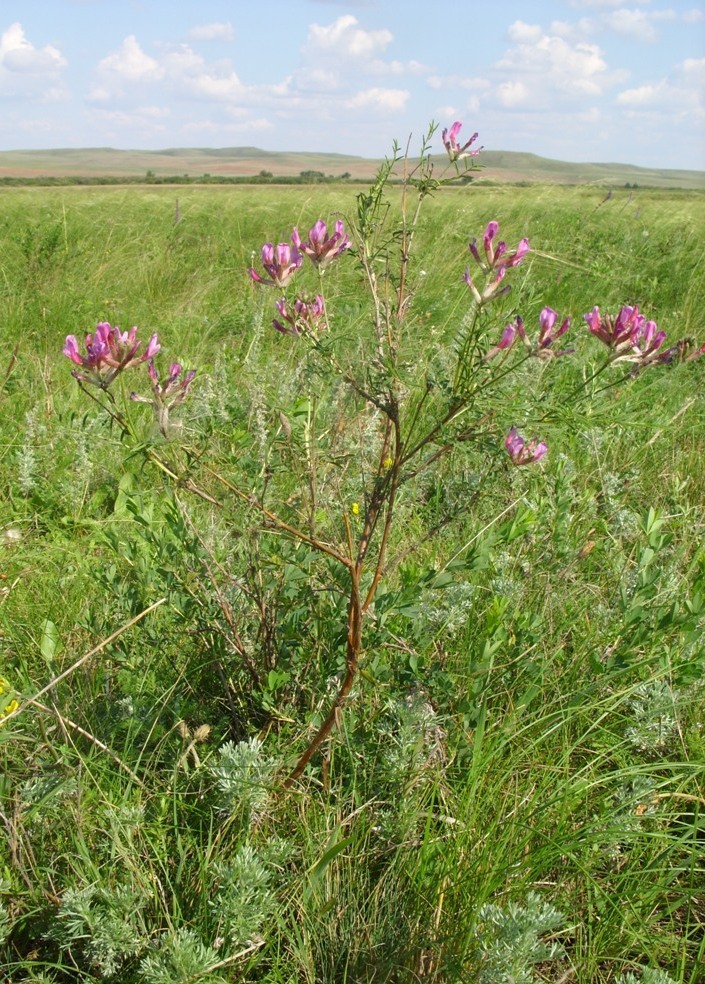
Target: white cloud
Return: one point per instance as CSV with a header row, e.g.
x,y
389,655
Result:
x,y
681,96
27,71
512,94
344,38
650,95
552,68
131,63
218,31
522,33
177,70
634,24
343,51
17,54
380,100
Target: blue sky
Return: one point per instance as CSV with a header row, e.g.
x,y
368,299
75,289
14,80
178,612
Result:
x,y
575,80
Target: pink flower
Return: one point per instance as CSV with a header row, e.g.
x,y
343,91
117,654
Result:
x,y
518,255
648,342
682,351
108,352
524,452
492,289
280,263
508,338
320,248
167,395
306,316
452,146
619,334
495,255
547,335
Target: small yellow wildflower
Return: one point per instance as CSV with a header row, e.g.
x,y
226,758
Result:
x,y
9,709
355,509
7,706
388,462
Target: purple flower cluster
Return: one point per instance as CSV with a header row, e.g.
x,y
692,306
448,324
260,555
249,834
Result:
x,y
321,248
524,452
542,346
168,394
108,352
452,145
282,262
632,338
497,260
306,316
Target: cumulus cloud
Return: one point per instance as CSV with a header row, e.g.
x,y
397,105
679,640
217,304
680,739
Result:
x,y
682,94
633,24
345,50
27,71
130,63
176,70
380,100
522,33
552,68
17,54
217,31
345,38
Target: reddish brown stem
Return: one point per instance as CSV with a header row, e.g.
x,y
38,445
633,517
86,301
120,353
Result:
x,y
352,659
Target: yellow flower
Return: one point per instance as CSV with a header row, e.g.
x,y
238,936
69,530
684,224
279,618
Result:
x,y
9,709
355,508
7,706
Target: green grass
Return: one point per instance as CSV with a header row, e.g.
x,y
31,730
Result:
x,y
521,760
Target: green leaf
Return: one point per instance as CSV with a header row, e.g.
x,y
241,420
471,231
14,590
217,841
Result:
x,y
317,872
49,644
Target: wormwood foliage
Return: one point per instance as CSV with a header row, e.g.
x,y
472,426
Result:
x,y
363,642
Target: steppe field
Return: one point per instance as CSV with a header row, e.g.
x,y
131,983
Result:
x,y
513,786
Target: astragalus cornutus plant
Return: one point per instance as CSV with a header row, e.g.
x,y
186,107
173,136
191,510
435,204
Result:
x,y
379,418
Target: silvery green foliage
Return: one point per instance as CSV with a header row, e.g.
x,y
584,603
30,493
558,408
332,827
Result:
x,y
244,899
417,736
648,976
635,803
212,400
181,957
624,521
509,943
448,611
4,923
243,776
102,925
653,710
27,463
83,435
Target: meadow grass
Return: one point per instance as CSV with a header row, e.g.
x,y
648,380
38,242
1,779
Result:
x,y
515,790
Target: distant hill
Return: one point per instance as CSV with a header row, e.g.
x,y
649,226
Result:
x,y
498,166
